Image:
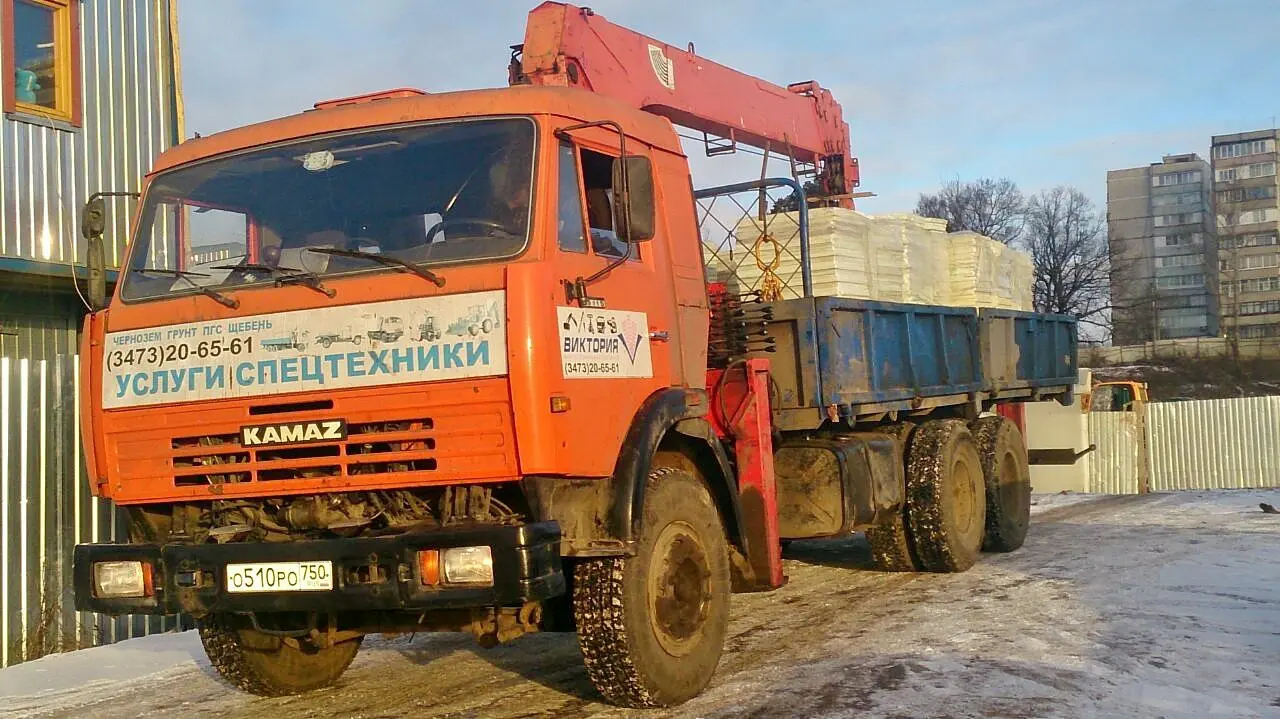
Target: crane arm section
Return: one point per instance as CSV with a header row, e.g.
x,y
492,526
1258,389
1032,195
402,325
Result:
x,y
570,46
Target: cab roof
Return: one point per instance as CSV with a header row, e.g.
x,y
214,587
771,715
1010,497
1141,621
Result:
x,y
403,107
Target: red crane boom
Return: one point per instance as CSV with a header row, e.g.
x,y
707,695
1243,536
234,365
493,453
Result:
x,y
569,46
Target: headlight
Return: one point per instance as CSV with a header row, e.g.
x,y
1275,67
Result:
x,y
468,565
113,580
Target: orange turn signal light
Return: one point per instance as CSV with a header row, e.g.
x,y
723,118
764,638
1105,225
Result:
x,y
559,404
429,566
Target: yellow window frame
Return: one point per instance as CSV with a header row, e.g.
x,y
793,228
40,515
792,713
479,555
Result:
x,y
63,69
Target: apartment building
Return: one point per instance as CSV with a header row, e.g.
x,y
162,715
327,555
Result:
x,y
1163,258
1247,208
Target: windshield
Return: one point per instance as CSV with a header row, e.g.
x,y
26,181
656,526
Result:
x,y
425,194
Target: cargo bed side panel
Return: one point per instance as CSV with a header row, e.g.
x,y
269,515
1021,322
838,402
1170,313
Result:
x,y
857,358
874,352
1025,349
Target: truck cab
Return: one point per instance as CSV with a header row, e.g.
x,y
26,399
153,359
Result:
x,y
1117,396
252,462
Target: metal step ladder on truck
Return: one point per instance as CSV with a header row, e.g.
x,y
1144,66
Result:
x,y
627,448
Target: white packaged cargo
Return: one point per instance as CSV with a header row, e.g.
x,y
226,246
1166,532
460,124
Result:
x,y
890,258
845,259
986,273
925,258
1021,273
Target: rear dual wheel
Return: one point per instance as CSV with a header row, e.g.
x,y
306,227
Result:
x,y
941,527
1008,482
968,490
946,497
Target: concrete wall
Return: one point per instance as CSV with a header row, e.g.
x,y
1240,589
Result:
x,y
1195,347
1049,425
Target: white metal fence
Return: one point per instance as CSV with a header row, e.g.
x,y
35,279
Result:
x,y
45,510
1116,465
1215,444
1204,444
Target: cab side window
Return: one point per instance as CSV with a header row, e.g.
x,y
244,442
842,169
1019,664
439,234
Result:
x,y
597,178
572,235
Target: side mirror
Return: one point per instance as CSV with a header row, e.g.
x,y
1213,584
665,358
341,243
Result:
x,y
633,198
92,224
93,219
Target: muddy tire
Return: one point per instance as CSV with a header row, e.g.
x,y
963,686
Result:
x,y
891,549
1008,480
946,499
651,627
265,665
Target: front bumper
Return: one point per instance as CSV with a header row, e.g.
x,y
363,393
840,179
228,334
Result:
x,y
369,573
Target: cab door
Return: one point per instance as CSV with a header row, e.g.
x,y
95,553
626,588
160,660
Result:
x,y
615,348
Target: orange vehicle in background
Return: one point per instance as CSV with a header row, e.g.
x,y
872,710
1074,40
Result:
x,y
410,362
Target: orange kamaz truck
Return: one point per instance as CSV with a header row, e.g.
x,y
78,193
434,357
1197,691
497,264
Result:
x,y
409,362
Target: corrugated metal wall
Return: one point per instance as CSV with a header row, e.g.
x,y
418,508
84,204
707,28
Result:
x,y
38,325
49,169
1204,444
1215,444
1116,463
45,510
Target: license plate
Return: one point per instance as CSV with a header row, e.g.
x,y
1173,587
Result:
x,y
280,577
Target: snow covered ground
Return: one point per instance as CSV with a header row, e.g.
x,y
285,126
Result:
x,y
1163,605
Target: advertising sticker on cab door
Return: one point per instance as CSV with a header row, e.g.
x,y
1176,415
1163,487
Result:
x,y
604,343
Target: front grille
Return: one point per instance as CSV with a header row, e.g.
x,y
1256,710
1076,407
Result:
x,y
397,436
401,446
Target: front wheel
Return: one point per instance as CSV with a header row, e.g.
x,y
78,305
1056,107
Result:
x,y
651,627
268,666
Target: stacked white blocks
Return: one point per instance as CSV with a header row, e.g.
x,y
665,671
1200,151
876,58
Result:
x,y
891,258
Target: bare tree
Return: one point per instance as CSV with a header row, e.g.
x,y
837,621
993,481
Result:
x,y
1228,269
1065,236
995,208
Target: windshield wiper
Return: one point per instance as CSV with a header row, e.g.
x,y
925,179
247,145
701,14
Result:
x,y
387,260
216,296
285,276
306,279
258,267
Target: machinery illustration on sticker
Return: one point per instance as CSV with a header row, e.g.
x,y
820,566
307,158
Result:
x,y
387,343
387,329
329,339
604,343
477,320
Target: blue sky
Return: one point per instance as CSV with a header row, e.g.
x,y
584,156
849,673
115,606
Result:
x,y
1045,92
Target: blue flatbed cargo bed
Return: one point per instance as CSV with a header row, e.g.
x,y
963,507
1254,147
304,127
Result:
x,y
850,360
